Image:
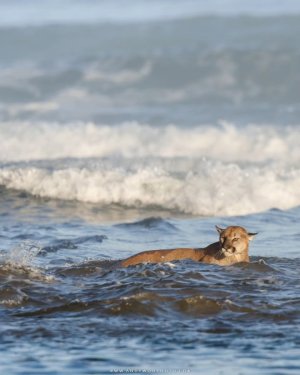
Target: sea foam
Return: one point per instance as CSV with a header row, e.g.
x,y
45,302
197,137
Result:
x,y
225,142
213,188
205,170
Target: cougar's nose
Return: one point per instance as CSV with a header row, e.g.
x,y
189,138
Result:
x,y
225,245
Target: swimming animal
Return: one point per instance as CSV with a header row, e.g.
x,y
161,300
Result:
x,y
232,247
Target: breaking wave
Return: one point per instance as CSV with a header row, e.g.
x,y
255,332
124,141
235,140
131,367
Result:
x,y
213,188
204,170
21,141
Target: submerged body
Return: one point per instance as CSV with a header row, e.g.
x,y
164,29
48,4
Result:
x,y
232,247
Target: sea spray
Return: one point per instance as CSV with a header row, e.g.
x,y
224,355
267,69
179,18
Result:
x,y
20,263
225,141
197,187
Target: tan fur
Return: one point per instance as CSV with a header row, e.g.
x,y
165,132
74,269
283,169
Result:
x,y
232,248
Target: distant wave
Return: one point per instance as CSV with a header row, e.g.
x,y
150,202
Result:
x,y
158,72
58,12
226,142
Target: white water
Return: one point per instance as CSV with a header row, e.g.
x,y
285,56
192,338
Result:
x,y
216,170
227,142
213,189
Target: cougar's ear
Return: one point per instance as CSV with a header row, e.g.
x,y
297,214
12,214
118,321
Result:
x,y
251,236
220,230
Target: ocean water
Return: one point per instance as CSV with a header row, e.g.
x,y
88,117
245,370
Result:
x,y
134,125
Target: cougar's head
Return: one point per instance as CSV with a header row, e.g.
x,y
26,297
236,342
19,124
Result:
x,y
234,240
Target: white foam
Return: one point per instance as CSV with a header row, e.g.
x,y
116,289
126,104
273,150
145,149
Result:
x,y
205,170
211,188
23,254
20,260
253,143
121,77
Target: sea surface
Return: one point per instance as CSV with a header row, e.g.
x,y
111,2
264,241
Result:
x,y
133,125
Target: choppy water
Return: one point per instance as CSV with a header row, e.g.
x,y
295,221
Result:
x,y
60,296
142,129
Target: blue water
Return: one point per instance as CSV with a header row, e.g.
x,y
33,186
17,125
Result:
x,y
127,126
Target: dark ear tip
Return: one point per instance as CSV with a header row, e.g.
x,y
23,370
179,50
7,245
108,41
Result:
x,y
219,229
251,235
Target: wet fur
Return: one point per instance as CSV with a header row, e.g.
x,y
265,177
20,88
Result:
x,y
232,247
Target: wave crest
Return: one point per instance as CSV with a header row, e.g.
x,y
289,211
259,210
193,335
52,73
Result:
x,y
211,188
226,142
